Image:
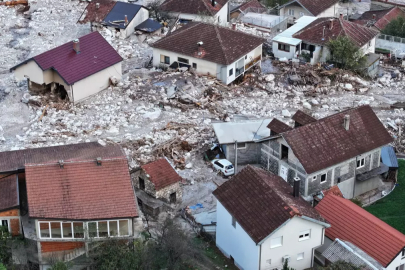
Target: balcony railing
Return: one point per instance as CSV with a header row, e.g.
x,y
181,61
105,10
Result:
x,y
254,61
239,71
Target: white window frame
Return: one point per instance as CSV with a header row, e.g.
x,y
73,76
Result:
x,y
361,160
108,228
314,177
61,229
326,178
244,147
268,261
300,257
290,12
305,235
278,245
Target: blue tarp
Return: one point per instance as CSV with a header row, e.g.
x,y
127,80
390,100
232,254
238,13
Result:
x,y
388,157
118,13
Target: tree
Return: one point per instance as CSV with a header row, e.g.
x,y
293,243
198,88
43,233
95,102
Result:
x,y
5,249
61,266
2,267
395,28
286,267
345,53
156,12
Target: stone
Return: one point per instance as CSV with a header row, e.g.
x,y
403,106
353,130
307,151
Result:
x,y
26,98
269,78
315,102
189,165
307,105
348,86
325,107
285,113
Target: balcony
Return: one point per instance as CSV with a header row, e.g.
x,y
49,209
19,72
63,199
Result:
x,y
239,71
253,62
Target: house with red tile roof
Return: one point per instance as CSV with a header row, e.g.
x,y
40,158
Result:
x,y
64,197
367,233
75,70
262,222
343,149
210,50
379,19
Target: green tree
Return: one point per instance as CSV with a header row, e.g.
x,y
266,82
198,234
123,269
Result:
x,y
395,28
61,266
342,265
345,53
2,267
5,250
286,267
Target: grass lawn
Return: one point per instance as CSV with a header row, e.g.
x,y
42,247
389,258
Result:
x,y
391,209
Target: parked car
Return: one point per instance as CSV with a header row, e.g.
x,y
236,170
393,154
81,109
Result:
x,y
224,166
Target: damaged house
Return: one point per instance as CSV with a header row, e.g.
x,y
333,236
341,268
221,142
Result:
x,y
262,222
157,184
343,149
379,19
66,200
77,69
210,50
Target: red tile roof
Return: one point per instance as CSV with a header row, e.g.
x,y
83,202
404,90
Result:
x,y
261,202
95,55
354,224
314,6
314,33
81,190
251,4
326,142
200,7
8,192
161,173
277,126
382,17
220,45
302,118
97,15
333,190
11,161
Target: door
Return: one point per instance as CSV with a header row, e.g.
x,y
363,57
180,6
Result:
x,y
173,197
283,172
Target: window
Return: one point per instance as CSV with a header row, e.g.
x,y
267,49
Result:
x,y
314,178
268,262
67,230
164,59
304,235
194,65
4,223
92,227
56,231
323,178
284,152
78,230
183,60
113,228
276,242
124,229
283,47
301,14
102,229
245,57
300,256
233,222
231,72
219,164
141,184
401,267
173,197
403,253
109,228
241,145
44,230
291,12
360,163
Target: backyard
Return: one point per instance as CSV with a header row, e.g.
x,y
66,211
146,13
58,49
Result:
x,y
391,208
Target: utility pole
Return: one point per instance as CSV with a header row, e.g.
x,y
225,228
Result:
x,y
236,157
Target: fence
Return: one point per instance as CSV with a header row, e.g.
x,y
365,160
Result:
x,y
264,20
392,38
396,45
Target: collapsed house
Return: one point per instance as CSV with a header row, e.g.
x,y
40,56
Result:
x,y
249,6
66,200
77,69
210,50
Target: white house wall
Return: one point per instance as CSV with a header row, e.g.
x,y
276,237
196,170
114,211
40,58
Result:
x,y
299,11
96,82
281,54
366,49
141,16
399,260
220,18
30,70
291,245
222,15
235,242
329,12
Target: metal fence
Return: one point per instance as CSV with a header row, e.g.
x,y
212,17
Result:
x,y
263,21
391,38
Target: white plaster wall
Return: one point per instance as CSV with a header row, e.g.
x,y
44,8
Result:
x,y
291,246
96,82
366,49
31,70
389,45
141,16
297,9
329,12
396,262
280,54
235,242
222,15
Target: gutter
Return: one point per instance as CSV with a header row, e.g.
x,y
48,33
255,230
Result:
x,y
326,225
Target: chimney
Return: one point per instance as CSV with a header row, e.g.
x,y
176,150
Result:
x,y
126,20
233,26
330,24
374,16
97,5
296,187
213,3
346,122
200,43
98,160
76,45
323,33
61,163
341,16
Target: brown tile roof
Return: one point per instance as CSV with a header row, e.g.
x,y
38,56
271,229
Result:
x,y
383,17
326,142
200,7
354,224
314,6
220,45
8,192
302,118
15,160
92,14
277,126
261,202
251,4
81,190
161,173
314,32
333,190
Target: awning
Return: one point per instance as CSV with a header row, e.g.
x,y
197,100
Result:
x,y
287,40
388,157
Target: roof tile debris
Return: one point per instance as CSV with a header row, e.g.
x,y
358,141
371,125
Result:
x,y
314,6
8,192
322,30
352,223
95,55
161,173
221,45
382,17
199,7
97,15
278,127
302,118
261,202
326,142
80,190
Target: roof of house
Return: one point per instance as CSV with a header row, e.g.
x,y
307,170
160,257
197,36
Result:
x,y
382,17
261,202
350,222
116,16
220,45
11,161
95,55
287,35
8,192
161,173
277,126
326,142
200,7
241,131
389,157
248,5
315,7
81,190
302,118
335,190
319,32
94,14
149,26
